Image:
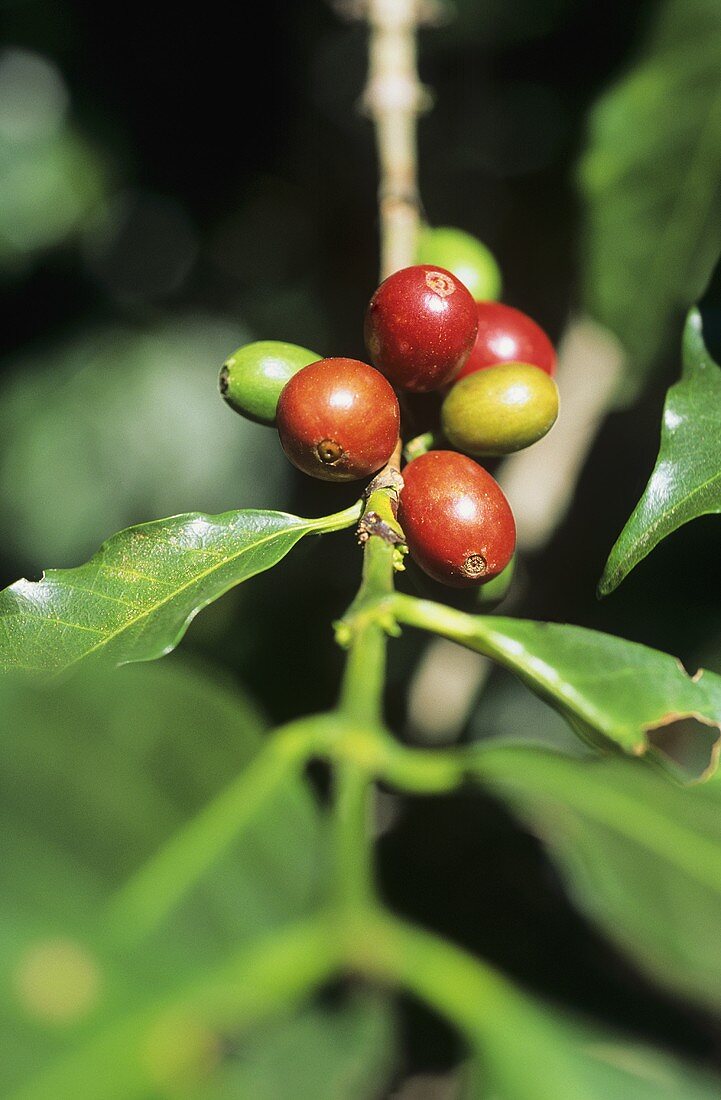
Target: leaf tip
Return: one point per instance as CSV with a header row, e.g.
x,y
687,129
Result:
x,y
693,321
608,583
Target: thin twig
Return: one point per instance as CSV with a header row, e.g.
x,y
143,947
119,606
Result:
x,y
394,97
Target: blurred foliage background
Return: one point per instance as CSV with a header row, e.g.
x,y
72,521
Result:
x,y
171,186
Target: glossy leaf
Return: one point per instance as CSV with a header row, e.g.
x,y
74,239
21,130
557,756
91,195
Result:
x,y
651,179
608,689
641,856
134,600
686,481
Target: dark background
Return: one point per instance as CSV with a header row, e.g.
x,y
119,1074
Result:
x,y
248,179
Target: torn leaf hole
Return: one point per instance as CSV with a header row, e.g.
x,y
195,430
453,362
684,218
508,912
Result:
x,y
686,744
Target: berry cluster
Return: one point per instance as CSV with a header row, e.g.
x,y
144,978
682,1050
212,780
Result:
x,y
339,419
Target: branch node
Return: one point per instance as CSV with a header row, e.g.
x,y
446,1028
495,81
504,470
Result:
x,y
373,524
390,478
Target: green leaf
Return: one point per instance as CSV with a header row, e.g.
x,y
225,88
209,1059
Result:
x,y
606,687
96,774
134,600
562,1056
567,1057
686,481
641,856
327,1054
579,1060
651,179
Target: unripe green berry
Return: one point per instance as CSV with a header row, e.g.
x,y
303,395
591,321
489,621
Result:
x,y
500,409
465,257
251,379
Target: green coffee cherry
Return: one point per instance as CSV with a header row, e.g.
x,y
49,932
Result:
x,y
500,409
251,379
465,257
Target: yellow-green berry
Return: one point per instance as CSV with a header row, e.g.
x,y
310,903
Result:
x,y
500,409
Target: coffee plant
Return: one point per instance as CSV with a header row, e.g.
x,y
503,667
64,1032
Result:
x,y
223,933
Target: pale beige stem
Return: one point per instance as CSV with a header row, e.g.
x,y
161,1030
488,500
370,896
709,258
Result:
x,y
394,97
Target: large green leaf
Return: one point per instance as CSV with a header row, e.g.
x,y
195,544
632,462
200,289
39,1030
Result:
x,y
641,856
608,689
651,179
97,773
686,481
524,1049
134,599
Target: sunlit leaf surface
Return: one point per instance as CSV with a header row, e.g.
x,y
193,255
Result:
x,y
135,598
686,481
609,689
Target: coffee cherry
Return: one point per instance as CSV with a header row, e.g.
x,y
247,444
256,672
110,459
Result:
x,y
252,378
338,420
465,257
420,327
506,335
500,409
457,522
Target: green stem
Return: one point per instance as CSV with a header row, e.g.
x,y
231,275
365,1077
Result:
x,y
339,520
458,626
480,1003
362,691
361,702
441,975
359,752
421,444
125,1059
142,903
353,843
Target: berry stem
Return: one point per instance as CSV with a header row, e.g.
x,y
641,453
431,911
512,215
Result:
x,y
421,444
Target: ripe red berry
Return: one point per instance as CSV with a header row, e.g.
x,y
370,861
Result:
x,y
338,420
506,335
420,326
458,524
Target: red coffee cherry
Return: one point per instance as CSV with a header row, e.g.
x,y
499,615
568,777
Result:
x,y
458,524
506,335
420,326
338,420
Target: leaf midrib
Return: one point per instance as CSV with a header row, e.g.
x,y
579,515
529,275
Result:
x,y
669,515
107,638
